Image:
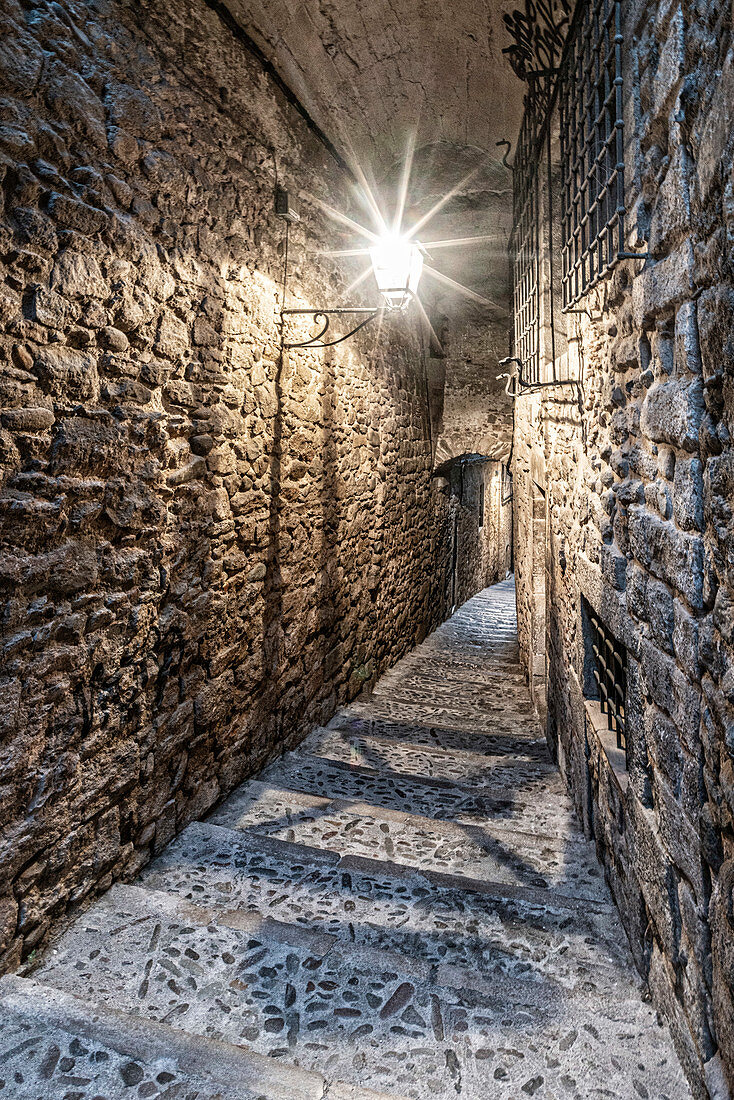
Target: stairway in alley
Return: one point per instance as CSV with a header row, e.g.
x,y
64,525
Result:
x,y
403,907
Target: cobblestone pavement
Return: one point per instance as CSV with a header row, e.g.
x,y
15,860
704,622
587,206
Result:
x,y
404,906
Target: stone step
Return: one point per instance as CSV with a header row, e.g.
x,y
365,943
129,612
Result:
x,y
480,701
472,770
567,867
465,688
499,665
453,670
524,934
470,685
465,668
54,1045
502,719
364,1017
540,805
461,640
535,747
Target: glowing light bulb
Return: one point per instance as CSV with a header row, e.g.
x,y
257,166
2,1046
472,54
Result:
x,y
397,264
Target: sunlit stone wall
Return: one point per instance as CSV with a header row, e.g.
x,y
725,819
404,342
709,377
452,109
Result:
x,y
632,481
203,548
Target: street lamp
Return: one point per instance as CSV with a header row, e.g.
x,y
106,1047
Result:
x,y
397,264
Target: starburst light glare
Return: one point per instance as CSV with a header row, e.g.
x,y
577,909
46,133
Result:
x,y
397,264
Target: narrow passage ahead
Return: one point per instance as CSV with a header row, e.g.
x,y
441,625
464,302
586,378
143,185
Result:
x,y
405,905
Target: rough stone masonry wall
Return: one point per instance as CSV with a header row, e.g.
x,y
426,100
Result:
x,y
203,549
640,491
476,414
483,535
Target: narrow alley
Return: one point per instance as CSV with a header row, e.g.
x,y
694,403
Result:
x,y
404,906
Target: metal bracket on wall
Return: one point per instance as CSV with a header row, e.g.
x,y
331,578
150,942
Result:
x,y
516,385
323,317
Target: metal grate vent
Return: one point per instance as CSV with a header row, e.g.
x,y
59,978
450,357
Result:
x,y
592,148
610,674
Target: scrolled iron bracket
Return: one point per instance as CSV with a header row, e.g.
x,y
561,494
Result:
x,y
517,385
323,318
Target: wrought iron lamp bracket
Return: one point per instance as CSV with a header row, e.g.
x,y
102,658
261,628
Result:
x,y
323,318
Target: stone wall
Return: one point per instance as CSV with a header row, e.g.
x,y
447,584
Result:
x,y
205,547
637,469
481,519
475,413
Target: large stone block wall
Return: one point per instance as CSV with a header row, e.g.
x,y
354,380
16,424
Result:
x,y
638,471
205,547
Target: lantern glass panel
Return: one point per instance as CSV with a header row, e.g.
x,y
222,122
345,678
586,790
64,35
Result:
x,y
397,265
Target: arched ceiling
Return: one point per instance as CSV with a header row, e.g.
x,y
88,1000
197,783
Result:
x,y
371,72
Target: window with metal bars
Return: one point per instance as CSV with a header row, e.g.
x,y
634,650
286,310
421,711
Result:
x,y
609,674
524,244
592,147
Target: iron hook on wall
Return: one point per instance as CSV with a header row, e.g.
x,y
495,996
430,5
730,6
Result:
x,y
517,385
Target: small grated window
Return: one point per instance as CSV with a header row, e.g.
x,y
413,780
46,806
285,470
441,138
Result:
x,y
609,674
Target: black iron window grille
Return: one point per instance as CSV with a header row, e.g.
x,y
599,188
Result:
x,y
592,147
524,244
610,675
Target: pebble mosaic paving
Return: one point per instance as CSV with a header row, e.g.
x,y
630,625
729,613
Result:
x,y
405,904
536,806
441,737
372,905
469,768
492,853
54,1065
353,1013
54,1052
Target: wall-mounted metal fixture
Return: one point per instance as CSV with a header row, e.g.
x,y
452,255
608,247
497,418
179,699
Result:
x,y
517,385
284,207
397,265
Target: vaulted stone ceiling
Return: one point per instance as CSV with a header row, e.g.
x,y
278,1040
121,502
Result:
x,y
370,73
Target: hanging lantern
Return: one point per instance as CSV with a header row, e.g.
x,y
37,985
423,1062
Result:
x,y
397,264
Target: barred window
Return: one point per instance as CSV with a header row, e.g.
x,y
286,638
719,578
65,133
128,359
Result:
x,y
608,681
592,147
524,247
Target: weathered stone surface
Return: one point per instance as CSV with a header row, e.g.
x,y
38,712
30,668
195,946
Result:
x,y
671,413
67,373
674,556
78,275
71,214
132,110
639,472
375,946
206,545
37,419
